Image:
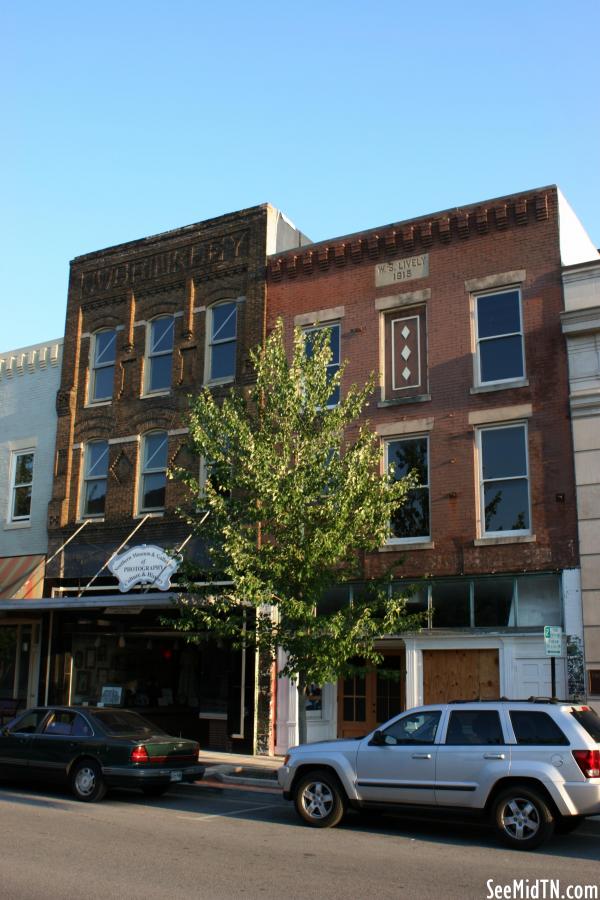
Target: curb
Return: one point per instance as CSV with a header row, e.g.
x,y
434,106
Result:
x,y
230,774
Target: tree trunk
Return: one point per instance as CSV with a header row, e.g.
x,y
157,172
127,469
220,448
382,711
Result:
x,y
302,733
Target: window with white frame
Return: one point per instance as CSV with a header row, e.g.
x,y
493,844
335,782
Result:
x,y
102,373
95,479
22,484
153,480
221,341
504,480
159,354
500,353
334,345
411,521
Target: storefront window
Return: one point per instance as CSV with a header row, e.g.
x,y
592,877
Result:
x,y
451,604
494,602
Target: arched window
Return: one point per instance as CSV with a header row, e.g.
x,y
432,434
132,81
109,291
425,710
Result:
x,y
159,355
102,373
153,478
221,342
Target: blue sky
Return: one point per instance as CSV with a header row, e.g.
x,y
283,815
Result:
x,y
126,119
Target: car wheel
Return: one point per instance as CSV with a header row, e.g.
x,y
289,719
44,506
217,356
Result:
x,y
320,799
567,824
87,782
155,790
523,818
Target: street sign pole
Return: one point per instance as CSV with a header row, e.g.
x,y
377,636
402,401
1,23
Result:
x,y
553,675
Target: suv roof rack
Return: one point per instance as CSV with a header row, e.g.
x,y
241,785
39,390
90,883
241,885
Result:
x,y
554,700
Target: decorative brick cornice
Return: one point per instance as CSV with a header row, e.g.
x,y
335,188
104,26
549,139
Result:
x,y
409,237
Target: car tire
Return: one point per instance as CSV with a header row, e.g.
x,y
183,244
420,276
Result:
x,y
523,818
155,790
87,783
319,799
567,824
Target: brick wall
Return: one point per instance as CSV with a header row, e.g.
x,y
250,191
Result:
x,y
517,234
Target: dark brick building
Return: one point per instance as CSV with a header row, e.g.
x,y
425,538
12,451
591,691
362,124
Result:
x,y
458,314
148,322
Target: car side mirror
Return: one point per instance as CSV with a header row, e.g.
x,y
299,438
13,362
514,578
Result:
x,y
378,739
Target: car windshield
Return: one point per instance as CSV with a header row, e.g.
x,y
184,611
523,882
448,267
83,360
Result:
x,y
589,720
119,721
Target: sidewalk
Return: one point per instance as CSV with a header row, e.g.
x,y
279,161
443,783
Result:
x,y
237,768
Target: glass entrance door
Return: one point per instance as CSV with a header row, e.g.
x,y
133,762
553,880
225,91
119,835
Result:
x,y
19,651
371,698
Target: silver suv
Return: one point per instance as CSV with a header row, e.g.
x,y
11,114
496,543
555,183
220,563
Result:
x,y
530,767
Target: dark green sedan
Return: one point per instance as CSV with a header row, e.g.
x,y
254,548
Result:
x,y
92,749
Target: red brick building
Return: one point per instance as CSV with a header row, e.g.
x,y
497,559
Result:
x,y
458,314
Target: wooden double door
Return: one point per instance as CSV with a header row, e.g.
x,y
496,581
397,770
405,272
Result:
x,y
371,698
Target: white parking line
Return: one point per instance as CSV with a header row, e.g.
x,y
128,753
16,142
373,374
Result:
x,y
233,812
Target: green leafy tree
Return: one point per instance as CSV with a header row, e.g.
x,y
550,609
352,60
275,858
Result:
x,y
295,496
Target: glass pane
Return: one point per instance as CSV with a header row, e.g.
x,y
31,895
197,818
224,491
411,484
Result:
x,y
162,335
360,710
154,491
408,455
8,655
224,322
412,519
160,372
451,607
348,709
501,358
494,602
22,502
24,468
95,497
414,594
539,600
498,314
334,599
222,361
155,451
103,383
506,505
474,727
24,654
536,728
503,452
97,459
418,728
105,347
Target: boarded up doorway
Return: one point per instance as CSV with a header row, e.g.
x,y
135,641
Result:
x,y
460,675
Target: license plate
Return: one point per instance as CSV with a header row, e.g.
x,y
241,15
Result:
x,y
176,776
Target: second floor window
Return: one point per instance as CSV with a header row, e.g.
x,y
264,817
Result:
x,y
103,366
504,486
500,355
334,346
154,471
222,341
160,354
95,479
22,484
411,521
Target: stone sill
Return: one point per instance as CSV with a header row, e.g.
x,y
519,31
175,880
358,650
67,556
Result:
x,y
402,401
411,545
509,539
502,386
13,526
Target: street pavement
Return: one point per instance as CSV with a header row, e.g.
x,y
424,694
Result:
x,y
232,841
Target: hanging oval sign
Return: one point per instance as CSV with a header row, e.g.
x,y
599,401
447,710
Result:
x,y
145,564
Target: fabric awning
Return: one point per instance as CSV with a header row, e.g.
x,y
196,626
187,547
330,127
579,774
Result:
x,y
22,577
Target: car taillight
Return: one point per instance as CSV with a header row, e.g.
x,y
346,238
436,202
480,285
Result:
x,y
139,754
588,761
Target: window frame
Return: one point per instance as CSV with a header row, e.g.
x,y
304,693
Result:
x,y
414,539
151,355
143,471
321,326
85,480
15,454
478,379
481,526
211,342
95,366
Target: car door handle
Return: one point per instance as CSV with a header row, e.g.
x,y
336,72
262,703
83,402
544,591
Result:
x,y
421,756
494,756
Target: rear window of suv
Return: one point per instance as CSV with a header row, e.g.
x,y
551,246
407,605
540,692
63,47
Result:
x,y
536,728
589,720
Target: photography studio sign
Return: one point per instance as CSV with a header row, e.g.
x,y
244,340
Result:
x,y
146,564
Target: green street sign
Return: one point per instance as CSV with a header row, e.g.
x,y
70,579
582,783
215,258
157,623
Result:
x,y
553,640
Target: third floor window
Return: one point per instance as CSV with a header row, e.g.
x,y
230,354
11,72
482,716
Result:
x,y
159,354
500,355
103,366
